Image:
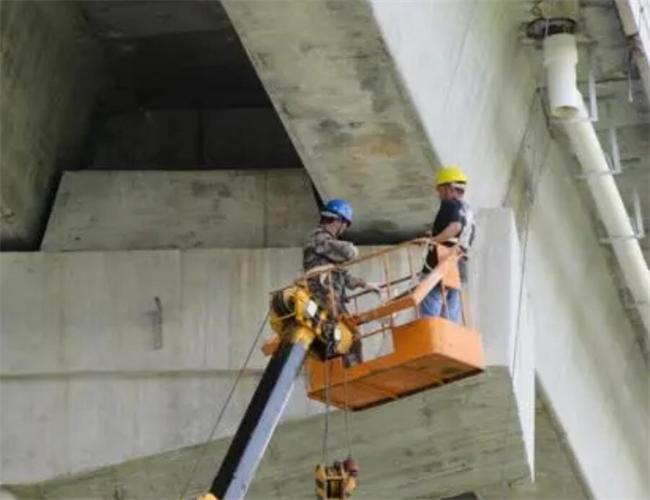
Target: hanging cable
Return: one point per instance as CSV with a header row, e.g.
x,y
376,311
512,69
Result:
x,y
222,412
346,411
324,453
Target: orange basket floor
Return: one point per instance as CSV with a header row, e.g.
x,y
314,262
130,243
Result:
x,y
428,352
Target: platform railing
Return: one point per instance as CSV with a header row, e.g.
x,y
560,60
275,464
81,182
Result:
x,y
401,290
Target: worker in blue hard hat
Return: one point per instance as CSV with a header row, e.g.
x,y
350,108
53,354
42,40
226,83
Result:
x,y
452,226
323,247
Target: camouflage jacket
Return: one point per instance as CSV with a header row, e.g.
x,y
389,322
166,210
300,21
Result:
x,y
323,248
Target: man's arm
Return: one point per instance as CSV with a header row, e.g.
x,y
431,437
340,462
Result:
x,y
337,251
451,231
450,213
353,282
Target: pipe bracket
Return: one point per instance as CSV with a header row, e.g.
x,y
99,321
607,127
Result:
x,y
610,240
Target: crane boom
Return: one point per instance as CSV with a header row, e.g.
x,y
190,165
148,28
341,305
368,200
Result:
x,y
301,327
259,422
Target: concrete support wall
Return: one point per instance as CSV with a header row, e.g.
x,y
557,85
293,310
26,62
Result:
x,y
46,93
90,361
336,90
469,79
122,210
504,317
93,374
589,364
473,86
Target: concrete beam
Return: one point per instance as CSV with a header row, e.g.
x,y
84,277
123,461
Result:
x,y
117,20
331,79
438,443
164,475
48,81
120,210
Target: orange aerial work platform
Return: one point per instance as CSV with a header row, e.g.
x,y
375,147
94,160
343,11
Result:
x,y
427,351
317,326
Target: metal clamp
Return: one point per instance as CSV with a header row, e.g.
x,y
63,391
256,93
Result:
x,y
610,240
637,224
591,85
613,159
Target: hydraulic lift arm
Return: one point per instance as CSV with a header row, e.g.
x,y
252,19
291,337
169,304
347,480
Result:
x,y
302,327
260,421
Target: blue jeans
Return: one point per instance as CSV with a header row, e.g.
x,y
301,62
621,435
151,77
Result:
x,y
432,305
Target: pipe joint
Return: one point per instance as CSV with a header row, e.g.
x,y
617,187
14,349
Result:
x,y
560,59
543,27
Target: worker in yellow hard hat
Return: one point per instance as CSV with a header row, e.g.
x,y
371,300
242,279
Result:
x,y
453,225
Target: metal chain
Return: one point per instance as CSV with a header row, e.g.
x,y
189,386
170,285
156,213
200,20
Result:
x,y
222,412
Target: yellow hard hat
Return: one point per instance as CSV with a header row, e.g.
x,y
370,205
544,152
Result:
x,y
450,174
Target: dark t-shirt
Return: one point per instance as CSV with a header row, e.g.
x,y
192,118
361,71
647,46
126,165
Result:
x,y
449,211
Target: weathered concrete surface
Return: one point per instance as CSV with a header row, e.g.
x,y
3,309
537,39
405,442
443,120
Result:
x,y
436,443
48,80
331,79
191,139
505,317
490,121
556,476
588,359
590,364
469,79
123,210
151,139
89,361
247,139
473,90
92,375
165,475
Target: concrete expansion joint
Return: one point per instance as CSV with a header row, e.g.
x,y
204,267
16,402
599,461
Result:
x,y
131,374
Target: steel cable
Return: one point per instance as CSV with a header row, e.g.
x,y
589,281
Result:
x,y
222,412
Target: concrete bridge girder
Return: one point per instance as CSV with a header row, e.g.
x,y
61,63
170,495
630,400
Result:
x,y
340,98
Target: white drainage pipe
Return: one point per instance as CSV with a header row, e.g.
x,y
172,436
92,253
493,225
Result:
x,y
561,52
560,59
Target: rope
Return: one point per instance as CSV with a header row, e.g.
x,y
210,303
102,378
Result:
x,y
346,412
324,454
222,412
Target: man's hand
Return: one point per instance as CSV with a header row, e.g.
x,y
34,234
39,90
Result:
x,y
373,287
354,251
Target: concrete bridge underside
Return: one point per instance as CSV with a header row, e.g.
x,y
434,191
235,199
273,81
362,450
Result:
x,y
97,400
456,439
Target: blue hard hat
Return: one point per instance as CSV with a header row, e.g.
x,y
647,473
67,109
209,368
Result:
x,y
338,208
